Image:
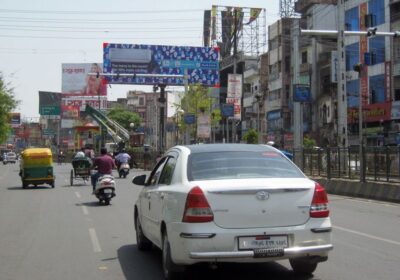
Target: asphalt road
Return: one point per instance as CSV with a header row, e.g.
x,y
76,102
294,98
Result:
x,y
63,234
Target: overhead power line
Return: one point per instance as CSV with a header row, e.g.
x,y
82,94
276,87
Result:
x,y
98,12
97,21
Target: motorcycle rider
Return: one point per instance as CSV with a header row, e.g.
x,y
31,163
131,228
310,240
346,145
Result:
x,y
105,164
122,157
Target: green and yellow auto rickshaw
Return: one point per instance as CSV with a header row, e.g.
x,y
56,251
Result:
x,y
36,167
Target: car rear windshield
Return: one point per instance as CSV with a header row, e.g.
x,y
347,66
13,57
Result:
x,y
236,165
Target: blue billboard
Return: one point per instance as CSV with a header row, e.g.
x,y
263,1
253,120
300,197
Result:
x,y
137,63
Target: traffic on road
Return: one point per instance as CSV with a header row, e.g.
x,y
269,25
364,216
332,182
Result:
x,y
64,233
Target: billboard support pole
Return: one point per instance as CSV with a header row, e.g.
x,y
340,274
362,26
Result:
x,y
162,119
186,84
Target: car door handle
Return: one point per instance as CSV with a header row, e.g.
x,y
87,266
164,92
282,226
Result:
x,y
162,196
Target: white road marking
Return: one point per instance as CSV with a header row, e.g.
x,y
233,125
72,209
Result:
x,y
95,240
368,235
85,210
78,195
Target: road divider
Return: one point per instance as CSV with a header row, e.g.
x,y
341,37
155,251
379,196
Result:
x,y
370,190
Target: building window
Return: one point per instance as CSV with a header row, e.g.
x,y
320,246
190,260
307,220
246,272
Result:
x,y
376,89
376,9
141,101
353,92
397,94
352,56
274,95
352,19
304,57
377,50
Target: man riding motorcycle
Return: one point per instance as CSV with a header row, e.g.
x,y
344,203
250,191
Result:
x,y
105,164
122,157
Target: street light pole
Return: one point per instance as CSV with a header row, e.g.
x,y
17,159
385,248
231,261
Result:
x,y
359,68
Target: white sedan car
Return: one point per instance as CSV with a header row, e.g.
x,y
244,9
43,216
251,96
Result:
x,y
231,203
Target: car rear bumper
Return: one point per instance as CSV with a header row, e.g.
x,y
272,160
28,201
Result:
x,y
193,243
288,252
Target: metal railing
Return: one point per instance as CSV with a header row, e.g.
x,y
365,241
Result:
x,y
381,163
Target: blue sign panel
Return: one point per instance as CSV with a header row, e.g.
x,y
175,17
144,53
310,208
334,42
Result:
x,y
189,118
302,93
201,63
227,110
274,115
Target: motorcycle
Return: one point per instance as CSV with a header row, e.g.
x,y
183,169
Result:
x,y
105,189
123,170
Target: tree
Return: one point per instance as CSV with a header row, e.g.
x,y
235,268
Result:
x,y
196,101
251,136
308,142
7,104
124,118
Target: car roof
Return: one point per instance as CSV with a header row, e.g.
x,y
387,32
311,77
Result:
x,y
205,148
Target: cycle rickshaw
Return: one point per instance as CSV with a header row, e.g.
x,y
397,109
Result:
x,y
81,169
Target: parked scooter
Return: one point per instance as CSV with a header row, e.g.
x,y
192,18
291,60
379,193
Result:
x,y
123,170
105,189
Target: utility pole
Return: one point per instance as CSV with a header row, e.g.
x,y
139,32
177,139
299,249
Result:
x,y
341,86
186,82
359,68
162,100
234,71
297,106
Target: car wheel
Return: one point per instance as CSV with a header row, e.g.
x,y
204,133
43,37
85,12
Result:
x,y
170,269
24,185
53,184
303,266
142,242
107,201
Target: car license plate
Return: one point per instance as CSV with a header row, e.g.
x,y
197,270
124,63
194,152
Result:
x,y
263,242
107,191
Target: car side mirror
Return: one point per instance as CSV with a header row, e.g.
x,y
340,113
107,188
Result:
x,y
139,180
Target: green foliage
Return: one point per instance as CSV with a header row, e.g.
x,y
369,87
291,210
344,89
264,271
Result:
x,y
308,142
7,104
251,136
197,101
124,118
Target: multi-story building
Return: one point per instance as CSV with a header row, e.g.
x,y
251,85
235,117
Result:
x,y
394,128
317,57
251,89
373,86
278,103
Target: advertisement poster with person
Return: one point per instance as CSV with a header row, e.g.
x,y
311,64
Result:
x,y
83,79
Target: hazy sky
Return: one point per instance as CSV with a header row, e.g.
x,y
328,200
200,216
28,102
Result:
x,y
37,36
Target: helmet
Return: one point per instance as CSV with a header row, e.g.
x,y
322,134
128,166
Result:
x,y
272,143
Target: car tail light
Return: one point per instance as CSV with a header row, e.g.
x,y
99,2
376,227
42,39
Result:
x,y
197,209
319,204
